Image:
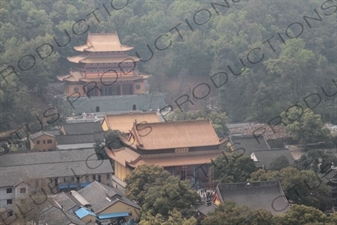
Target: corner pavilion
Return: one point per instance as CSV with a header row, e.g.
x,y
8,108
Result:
x,y
180,147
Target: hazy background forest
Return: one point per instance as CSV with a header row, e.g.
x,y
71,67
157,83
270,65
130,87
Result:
x,y
284,77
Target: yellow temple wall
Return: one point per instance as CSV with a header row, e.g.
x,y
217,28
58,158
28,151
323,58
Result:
x,y
71,91
88,219
141,90
121,171
122,207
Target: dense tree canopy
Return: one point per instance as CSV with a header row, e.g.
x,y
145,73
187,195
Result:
x,y
160,195
172,194
229,213
317,160
264,68
141,179
305,126
232,168
279,163
300,214
174,218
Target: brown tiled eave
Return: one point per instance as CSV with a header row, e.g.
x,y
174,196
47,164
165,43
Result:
x,y
106,80
73,76
122,155
85,48
90,59
103,42
172,159
126,156
132,145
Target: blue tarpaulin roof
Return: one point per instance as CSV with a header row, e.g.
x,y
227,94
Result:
x,y
83,212
112,215
85,184
63,186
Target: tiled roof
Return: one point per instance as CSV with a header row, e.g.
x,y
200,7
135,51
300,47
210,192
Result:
x,y
57,216
74,76
53,132
102,42
258,128
330,175
39,134
258,195
91,59
123,155
78,138
83,212
77,77
124,121
10,176
237,125
82,128
268,156
109,80
248,143
65,200
205,209
96,194
127,156
34,158
14,166
177,134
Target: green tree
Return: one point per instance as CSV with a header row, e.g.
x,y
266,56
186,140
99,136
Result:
x,y
141,179
174,193
279,163
231,168
112,140
305,126
301,214
302,187
100,149
229,213
174,218
317,160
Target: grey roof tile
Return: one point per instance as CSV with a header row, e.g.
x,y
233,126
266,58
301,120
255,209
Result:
x,y
249,143
40,133
96,193
205,209
56,216
78,138
31,158
257,195
83,128
268,156
14,166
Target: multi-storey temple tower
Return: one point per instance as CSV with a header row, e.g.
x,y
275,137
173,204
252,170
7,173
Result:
x,y
104,69
104,61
